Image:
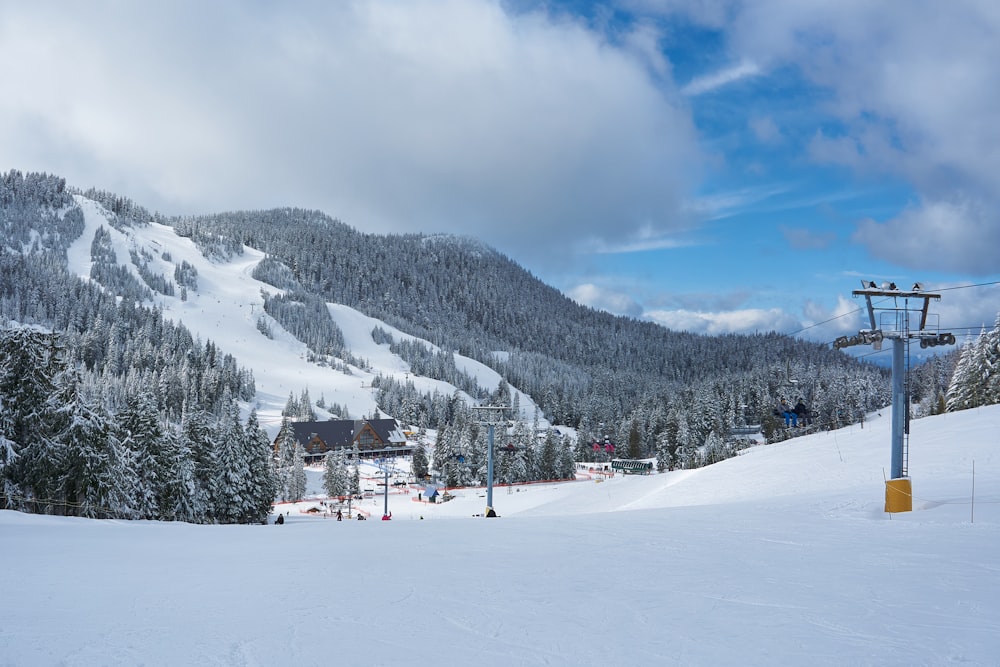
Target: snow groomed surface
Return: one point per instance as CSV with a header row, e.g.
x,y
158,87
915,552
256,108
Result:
x,y
780,556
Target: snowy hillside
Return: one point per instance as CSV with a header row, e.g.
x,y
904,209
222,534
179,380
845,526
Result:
x,y
779,556
225,308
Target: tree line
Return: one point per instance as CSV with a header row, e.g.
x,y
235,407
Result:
x,y
975,380
62,451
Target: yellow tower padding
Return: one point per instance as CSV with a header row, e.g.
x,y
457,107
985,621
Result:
x,y
898,495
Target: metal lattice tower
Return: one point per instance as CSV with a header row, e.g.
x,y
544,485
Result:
x,y
896,319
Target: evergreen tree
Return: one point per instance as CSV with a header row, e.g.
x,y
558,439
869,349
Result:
x,y
132,497
286,457
478,460
297,478
991,376
232,468
29,363
976,379
450,456
419,464
306,412
262,483
965,391
198,443
336,479
634,450
664,460
355,479
8,455
183,498
565,464
687,453
714,449
142,435
512,464
547,457
292,408
92,468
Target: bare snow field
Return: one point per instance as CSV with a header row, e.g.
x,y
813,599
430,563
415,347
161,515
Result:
x,y
781,556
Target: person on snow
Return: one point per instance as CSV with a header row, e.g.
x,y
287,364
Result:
x,y
340,517
280,520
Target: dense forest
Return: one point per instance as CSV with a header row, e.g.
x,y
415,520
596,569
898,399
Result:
x,y
105,408
115,392
586,368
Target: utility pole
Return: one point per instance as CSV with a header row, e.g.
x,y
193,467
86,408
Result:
x,y
490,416
386,452
895,322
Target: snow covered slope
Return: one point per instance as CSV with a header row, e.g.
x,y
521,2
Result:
x,y
225,309
781,556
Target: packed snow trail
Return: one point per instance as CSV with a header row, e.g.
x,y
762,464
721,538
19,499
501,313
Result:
x,y
780,556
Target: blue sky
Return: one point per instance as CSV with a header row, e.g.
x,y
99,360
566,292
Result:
x,y
714,166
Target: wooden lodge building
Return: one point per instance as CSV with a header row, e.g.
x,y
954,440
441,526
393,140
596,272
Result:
x,y
371,437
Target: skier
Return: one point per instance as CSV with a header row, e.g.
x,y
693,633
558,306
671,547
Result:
x,y
340,517
280,520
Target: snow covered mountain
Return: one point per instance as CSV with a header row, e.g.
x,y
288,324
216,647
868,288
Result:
x,y
227,305
294,301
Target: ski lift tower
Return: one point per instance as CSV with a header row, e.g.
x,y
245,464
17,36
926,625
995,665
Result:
x,y
894,321
490,416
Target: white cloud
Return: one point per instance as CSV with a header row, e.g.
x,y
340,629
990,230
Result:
x,y
846,317
734,321
915,88
454,116
642,244
965,309
724,204
956,234
601,298
724,77
836,150
644,41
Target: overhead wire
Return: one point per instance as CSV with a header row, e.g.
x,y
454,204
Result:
x,y
860,309
948,289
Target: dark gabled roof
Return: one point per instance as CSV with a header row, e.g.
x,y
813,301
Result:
x,y
337,433
341,432
386,429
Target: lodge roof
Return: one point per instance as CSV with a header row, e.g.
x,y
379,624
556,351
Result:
x,y
338,433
